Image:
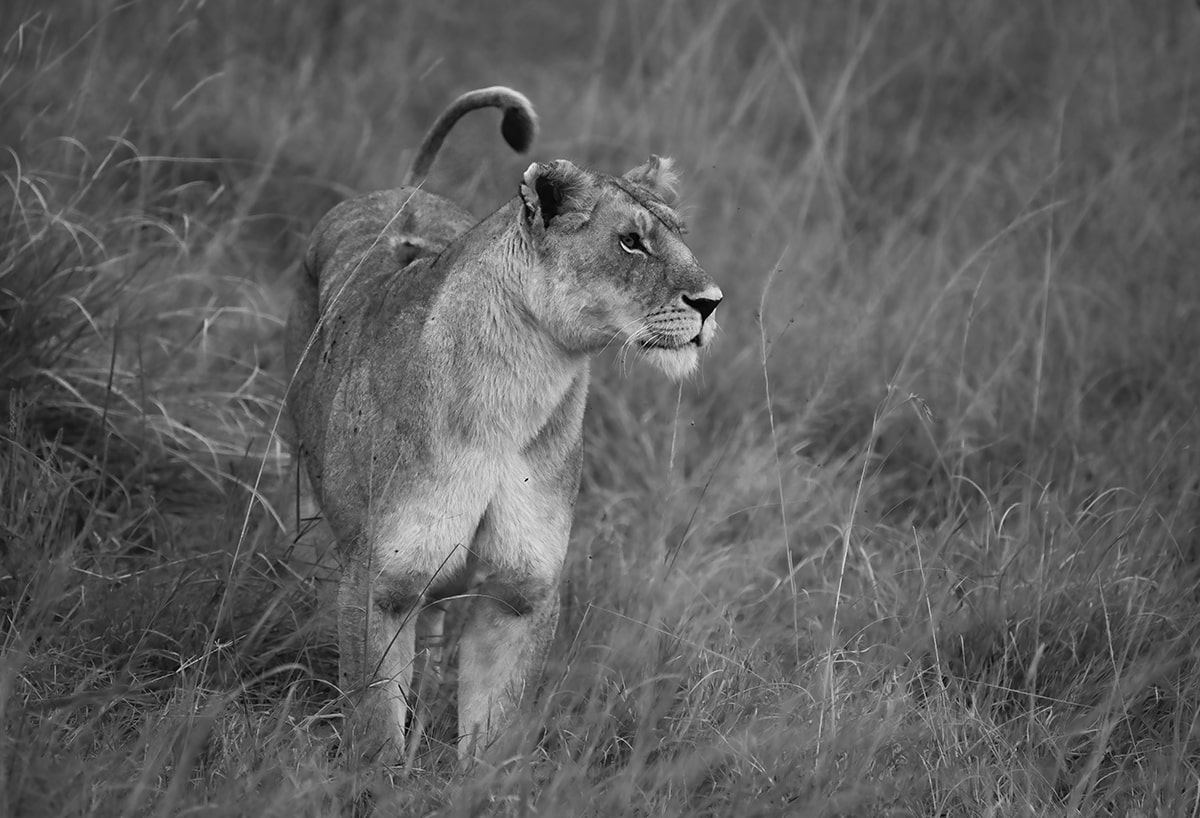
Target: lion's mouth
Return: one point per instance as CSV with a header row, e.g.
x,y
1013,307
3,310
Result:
x,y
672,344
668,344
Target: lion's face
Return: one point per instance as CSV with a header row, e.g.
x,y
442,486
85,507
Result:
x,y
616,269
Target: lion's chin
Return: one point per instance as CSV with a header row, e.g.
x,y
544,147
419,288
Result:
x,y
677,363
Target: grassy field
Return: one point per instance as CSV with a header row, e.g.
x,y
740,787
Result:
x,y
920,539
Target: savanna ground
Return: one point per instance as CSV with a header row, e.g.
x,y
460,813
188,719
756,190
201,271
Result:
x,y
921,539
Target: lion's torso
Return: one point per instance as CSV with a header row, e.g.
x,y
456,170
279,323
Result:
x,y
398,422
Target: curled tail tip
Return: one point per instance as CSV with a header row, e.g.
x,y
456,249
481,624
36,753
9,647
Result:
x,y
519,128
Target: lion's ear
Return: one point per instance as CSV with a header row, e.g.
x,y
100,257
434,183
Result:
x,y
658,177
556,190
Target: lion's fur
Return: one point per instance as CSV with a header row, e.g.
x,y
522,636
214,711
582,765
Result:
x,y
441,372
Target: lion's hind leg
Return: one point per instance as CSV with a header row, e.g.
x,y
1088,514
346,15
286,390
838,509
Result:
x,y
430,655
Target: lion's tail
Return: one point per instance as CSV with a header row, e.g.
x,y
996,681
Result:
x,y
519,126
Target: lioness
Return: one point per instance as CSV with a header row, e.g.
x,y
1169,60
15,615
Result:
x,y
441,371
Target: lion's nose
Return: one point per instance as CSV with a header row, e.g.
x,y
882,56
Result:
x,y
704,302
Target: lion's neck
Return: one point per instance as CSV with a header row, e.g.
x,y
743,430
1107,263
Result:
x,y
507,373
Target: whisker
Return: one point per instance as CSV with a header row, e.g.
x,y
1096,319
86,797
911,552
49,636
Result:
x,y
620,330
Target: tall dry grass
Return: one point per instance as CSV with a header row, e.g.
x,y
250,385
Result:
x,y
919,539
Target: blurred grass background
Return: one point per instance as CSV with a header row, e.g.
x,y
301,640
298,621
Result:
x,y
919,540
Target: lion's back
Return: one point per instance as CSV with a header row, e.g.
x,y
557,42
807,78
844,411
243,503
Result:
x,y
359,241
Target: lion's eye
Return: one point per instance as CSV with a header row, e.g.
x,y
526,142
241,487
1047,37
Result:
x,y
632,243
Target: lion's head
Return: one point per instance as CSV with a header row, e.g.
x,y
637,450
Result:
x,y
613,264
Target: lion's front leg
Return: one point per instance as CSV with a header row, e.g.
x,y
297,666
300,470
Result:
x,y
376,635
521,546
501,656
